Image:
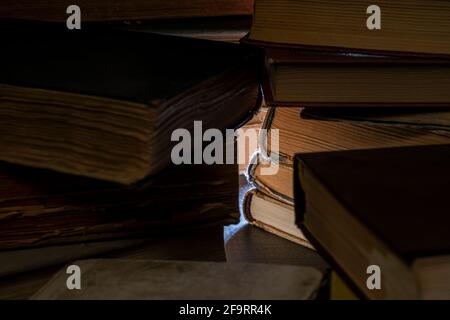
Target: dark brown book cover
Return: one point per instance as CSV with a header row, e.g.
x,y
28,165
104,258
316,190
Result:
x,y
327,50
294,56
40,207
103,103
106,62
434,119
227,29
400,194
112,10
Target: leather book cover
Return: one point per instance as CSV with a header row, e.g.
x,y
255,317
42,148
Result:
x,y
106,62
400,194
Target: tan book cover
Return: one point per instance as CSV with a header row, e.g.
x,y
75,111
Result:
x,y
152,279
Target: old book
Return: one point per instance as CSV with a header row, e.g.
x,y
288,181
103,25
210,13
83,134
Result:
x,y
249,135
227,29
415,26
201,243
314,79
40,264
103,103
29,259
112,10
432,119
382,207
304,130
273,216
152,279
40,208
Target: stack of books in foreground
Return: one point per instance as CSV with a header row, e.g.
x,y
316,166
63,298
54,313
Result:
x,y
86,123
363,121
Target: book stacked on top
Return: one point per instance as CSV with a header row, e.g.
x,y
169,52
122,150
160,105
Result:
x,y
124,11
86,118
221,20
342,96
271,204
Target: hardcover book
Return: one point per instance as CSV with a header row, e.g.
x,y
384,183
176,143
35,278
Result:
x,y
385,207
309,130
41,208
273,216
103,103
113,10
416,27
114,279
329,79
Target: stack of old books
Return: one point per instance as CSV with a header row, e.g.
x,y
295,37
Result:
x,y
363,123
86,123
